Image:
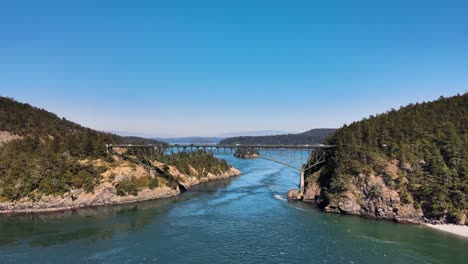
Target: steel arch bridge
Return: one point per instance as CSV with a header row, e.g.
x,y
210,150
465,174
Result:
x,y
303,158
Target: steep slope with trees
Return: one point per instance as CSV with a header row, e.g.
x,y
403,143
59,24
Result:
x,y
44,155
409,164
314,136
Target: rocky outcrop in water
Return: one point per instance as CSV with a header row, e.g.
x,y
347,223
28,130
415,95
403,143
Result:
x,y
369,198
401,165
246,153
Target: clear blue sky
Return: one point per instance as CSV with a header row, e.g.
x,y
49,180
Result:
x,y
179,68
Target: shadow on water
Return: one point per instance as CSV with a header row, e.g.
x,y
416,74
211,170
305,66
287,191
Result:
x,y
98,223
85,223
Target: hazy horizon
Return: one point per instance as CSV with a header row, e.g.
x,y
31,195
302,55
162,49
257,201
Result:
x,y
180,68
222,135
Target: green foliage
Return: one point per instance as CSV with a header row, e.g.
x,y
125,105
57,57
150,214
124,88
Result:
x,y
127,186
31,164
313,136
246,152
47,157
84,179
405,197
375,192
112,177
47,160
430,143
202,162
143,181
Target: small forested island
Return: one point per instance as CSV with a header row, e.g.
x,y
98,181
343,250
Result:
x,y
246,153
407,165
314,136
50,164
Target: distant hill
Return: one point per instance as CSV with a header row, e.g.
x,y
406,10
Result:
x,y
142,140
23,120
402,165
191,140
314,136
253,133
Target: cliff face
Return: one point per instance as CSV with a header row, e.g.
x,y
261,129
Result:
x,y
368,197
408,165
109,190
48,163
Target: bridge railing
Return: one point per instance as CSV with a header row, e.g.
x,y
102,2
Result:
x,y
304,158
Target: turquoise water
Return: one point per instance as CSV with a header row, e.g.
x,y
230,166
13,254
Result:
x,y
241,220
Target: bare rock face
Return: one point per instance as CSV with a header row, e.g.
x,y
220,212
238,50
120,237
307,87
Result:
x,y
369,198
190,181
105,193
349,205
6,136
312,192
294,195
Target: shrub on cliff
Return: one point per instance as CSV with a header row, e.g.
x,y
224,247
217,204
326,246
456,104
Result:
x,y
428,142
46,159
127,186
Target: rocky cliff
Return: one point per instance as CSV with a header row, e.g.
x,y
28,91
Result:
x,y
48,163
368,197
109,191
407,165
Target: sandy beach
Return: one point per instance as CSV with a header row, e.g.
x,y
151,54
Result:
x,y
454,229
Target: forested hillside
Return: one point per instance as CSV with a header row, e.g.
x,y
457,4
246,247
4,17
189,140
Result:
x,y
419,151
191,140
140,140
41,153
314,136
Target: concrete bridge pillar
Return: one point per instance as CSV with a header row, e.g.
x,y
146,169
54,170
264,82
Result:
x,y
302,183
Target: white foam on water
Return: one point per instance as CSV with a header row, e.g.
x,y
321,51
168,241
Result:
x,y
379,240
279,197
107,253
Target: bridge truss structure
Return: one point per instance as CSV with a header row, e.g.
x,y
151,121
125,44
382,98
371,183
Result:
x,y
303,158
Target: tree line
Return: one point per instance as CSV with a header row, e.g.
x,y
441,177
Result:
x,y
428,140
48,158
314,136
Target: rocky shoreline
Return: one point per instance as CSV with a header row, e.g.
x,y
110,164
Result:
x,y
103,195
459,230
360,201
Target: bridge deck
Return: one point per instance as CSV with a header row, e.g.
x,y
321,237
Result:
x,y
317,155
317,146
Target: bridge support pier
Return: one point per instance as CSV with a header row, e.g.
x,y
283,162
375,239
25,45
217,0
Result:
x,y
145,154
301,186
301,182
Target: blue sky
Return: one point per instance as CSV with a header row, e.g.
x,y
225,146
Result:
x,y
180,68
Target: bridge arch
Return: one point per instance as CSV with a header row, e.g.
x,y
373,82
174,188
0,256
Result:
x,y
302,158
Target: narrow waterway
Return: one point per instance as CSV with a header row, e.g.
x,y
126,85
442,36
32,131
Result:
x,y
242,220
